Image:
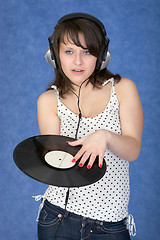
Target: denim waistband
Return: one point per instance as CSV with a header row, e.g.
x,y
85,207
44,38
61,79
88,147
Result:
x,y
75,216
129,220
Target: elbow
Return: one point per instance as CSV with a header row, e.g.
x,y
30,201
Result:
x,y
132,159
135,154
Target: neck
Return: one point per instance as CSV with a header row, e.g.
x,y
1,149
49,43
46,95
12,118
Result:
x,y
77,88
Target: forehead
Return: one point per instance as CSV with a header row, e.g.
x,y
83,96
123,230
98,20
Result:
x,y
77,39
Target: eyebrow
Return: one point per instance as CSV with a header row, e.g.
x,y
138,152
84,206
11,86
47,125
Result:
x,y
73,44
70,46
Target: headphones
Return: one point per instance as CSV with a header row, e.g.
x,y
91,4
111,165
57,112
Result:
x,y
105,55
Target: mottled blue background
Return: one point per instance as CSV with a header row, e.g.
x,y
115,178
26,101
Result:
x,y
133,28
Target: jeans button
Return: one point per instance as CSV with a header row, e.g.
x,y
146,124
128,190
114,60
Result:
x,y
60,215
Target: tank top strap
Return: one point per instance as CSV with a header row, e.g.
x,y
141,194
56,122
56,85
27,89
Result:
x,y
108,80
113,84
56,91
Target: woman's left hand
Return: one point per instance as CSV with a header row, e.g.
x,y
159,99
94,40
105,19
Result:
x,y
93,145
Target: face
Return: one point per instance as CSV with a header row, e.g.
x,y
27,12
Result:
x,y
77,63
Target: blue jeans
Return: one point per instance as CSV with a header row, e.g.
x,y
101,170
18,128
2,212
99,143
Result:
x,y
57,224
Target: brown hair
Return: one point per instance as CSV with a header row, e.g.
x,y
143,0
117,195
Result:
x,y
94,40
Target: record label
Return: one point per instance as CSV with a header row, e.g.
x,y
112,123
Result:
x,y
59,159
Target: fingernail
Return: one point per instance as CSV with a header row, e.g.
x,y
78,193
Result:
x,y
100,165
80,165
89,166
73,160
68,141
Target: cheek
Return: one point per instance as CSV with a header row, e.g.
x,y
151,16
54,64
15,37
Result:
x,y
61,58
93,64
63,62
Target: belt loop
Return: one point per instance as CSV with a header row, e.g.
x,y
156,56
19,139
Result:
x,y
66,214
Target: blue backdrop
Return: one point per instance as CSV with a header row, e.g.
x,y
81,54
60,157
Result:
x,y
133,28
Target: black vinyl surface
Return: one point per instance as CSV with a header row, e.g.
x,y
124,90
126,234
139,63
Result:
x,y
29,158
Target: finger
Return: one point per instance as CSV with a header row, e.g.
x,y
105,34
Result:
x,y
84,159
91,160
100,161
76,142
78,155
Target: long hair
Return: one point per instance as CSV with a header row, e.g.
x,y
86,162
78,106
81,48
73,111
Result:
x,y
94,40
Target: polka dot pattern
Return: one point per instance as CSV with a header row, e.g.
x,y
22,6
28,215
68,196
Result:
x,y
107,199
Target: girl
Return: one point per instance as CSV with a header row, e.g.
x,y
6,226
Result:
x,y
103,111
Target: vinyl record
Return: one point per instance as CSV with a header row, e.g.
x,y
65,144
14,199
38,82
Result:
x,y
48,159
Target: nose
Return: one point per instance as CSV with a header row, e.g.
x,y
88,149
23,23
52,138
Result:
x,y
78,59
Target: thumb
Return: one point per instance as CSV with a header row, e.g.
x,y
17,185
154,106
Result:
x,y
76,142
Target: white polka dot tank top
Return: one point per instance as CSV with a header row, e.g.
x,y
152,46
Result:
x,y
107,199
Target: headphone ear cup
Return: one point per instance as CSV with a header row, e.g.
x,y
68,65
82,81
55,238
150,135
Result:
x,y
50,58
105,56
106,61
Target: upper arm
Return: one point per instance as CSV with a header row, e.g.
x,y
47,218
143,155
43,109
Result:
x,y
131,115
48,120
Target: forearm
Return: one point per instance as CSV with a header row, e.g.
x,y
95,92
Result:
x,y
125,147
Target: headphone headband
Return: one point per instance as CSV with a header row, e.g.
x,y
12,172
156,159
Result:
x,y
82,15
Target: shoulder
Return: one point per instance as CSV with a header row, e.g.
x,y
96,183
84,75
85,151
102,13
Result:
x,y
125,83
126,88
47,98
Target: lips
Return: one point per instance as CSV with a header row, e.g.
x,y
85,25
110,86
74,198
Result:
x,y
77,70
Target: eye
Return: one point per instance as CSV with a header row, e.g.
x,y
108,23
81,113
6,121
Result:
x,y
87,52
68,52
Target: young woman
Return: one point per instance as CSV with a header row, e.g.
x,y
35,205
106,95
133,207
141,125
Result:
x,y
109,115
